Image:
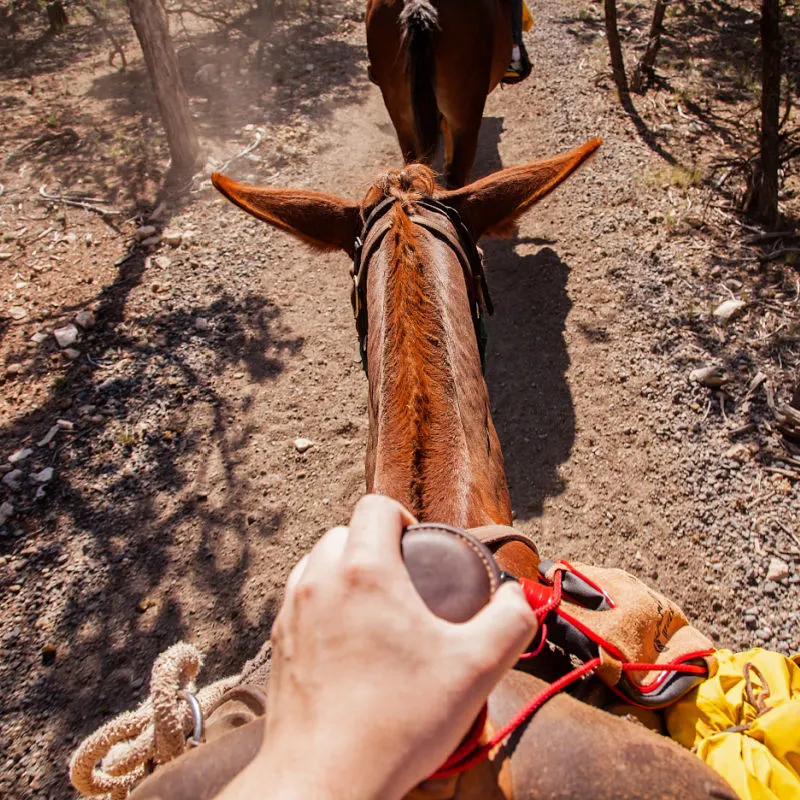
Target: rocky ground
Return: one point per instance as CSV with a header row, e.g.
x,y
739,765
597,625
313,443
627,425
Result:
x,y
159,364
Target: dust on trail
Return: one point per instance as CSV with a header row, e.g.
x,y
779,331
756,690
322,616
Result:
x,y
180,512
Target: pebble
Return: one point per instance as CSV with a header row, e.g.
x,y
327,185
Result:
x,y
12,479
48,437
39,337
712,376
739,452
145,232
777,570
201,323
65,424
301,445
6,512
45,476
66,336
72,354
12,370
726,311
151,242
16,312
85,319
19,456
172,237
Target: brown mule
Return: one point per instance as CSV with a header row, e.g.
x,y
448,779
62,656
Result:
x,y
418,297
435,62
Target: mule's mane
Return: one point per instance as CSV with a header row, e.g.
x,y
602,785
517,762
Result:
x,y
407,186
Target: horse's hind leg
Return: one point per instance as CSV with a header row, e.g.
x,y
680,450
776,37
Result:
x,y
464,145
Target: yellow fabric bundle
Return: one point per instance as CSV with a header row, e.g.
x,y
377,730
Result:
x,y
527,17
757,695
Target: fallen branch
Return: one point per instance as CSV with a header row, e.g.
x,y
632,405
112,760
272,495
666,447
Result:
x,y
206,183
89,203
795,476
767,237
783,251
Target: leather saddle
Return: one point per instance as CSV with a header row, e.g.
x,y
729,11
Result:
x,y
563,751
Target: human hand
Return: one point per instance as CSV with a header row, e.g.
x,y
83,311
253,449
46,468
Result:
x,y
369,691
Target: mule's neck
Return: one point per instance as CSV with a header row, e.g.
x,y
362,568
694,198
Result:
x,y
432,445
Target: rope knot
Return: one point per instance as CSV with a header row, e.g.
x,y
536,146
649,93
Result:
x,y
154,733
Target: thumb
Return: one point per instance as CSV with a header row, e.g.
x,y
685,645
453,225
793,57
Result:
x,y
503,628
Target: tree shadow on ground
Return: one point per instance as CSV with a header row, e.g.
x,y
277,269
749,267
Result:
x,y
527,362
148,423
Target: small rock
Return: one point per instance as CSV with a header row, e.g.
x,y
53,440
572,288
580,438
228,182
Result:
x,y
89,239
739,452
301,445
309,67
6,512
159,211
65,424
145,232
85,319
163,262
201,323
72,354
45,476
66,336
16,312
711,376
12,479
172,237
12,370
39,337
145,603
48,437
19,456
151,242
725,312
777,570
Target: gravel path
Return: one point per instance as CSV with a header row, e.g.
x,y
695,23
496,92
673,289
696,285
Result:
x,y
179,501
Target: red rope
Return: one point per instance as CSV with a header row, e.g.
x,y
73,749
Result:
x,y
462,759
471,751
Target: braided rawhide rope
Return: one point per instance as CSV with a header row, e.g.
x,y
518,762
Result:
x,y
154,733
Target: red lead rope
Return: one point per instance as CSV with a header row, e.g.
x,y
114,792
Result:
x,y
471,751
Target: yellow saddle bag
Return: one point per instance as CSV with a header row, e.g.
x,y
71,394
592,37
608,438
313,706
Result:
x,y
744,722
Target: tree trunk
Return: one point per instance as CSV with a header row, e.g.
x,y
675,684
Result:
x,y
761,202
152,28
57,17
614,48
643,71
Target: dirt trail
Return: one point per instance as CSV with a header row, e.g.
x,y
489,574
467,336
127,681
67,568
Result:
x,y
181,502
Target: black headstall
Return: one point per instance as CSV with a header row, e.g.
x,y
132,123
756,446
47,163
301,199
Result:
x,y
446,222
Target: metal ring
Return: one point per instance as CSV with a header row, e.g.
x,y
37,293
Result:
x,y
198,733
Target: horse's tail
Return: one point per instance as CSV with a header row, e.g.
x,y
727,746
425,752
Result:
x,y
420,21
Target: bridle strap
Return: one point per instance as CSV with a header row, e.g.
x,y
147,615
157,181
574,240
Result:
x,y
378,224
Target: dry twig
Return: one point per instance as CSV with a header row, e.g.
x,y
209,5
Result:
x,y
89,203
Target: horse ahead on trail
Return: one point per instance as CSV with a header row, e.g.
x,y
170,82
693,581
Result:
x,y
435,62
419,296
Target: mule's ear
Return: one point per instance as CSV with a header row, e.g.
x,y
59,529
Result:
x,y
492,205
321,220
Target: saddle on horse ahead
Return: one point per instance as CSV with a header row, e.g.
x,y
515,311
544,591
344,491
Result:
x,y
602,617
